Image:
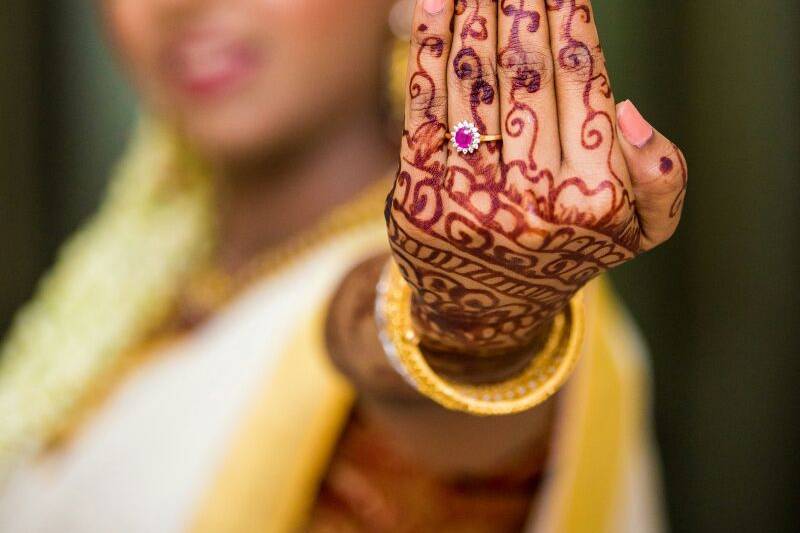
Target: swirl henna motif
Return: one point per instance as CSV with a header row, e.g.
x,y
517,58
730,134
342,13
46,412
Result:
x,y
495,248
467,66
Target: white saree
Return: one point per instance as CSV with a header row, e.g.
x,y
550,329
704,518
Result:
x,y
231,428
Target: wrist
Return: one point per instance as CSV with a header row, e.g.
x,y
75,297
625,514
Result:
x,y
459,364
549,362
417,427
452,316
447,337
351,335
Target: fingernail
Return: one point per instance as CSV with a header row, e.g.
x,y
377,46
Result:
x,y
635,128
433,7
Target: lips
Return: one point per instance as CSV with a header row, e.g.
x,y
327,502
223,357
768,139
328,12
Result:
x,y
209,64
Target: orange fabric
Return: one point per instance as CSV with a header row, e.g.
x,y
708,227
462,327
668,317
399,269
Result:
x,y
370,487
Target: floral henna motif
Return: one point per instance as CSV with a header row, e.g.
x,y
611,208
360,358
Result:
x,y
494,249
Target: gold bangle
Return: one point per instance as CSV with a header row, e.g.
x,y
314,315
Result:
x,y
546,373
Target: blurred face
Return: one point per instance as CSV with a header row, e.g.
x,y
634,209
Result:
x,y
241,76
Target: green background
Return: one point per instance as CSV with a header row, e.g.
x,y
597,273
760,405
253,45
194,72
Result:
x,y
718,304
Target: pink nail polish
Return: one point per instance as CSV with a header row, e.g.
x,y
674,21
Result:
x,y
635,128
433,7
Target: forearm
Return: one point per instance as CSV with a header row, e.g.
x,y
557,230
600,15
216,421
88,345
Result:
x,y
445,441
494,239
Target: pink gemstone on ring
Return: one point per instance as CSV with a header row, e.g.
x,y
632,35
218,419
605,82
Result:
x,y
465,137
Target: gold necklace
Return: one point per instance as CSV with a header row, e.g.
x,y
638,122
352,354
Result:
x,y
211,288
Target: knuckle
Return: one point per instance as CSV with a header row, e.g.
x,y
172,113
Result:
x,y
578,63
667,174
426,98
597,208
594,206
590,212
529,70
425,41
474,74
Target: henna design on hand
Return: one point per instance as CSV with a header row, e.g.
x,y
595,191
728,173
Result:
x,y
677,204
495,248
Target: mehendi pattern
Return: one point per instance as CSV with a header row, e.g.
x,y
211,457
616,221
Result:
x,y
494,248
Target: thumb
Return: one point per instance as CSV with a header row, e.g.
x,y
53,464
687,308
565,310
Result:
x,y
658,174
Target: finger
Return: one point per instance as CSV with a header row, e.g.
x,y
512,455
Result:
x,y
585,103
426,100
472,79
529,117
658,174
423,151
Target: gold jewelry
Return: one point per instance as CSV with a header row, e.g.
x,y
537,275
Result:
x,y
481,138
487,138
211,288
466,137
545,374
97,304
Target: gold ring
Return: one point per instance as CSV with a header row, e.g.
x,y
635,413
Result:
x,y
466,138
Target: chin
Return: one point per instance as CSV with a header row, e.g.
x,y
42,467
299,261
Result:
x,y
224,141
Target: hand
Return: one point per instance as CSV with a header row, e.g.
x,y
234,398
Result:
x,y
496,242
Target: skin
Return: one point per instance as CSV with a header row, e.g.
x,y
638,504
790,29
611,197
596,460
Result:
x,y
402,449
496,242
288,131
269,94
561,199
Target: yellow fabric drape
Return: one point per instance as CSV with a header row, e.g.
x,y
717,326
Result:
x,y
269,478
599,426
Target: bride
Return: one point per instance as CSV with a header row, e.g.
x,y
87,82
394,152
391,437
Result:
x,y
250,336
